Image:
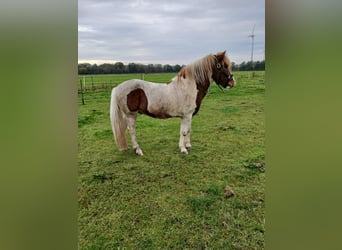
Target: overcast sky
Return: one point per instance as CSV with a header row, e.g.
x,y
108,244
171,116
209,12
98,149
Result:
x,y
169,32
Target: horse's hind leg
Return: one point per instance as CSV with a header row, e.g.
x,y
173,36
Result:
x,y
131,120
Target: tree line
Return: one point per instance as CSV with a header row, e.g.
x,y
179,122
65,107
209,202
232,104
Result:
x,y
120,68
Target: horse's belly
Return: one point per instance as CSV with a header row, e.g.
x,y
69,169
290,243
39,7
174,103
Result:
x,y
167,106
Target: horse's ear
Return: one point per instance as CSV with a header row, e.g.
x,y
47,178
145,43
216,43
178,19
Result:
x,y
220,55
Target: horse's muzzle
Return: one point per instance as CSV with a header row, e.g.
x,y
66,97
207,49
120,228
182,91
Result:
x,y
231,82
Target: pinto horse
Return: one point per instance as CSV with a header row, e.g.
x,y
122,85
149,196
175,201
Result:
x,y
181,98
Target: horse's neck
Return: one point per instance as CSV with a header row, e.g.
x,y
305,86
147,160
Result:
x,y
202,88
204,84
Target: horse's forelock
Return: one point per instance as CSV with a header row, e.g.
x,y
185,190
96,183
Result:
x,y
223,58
227,61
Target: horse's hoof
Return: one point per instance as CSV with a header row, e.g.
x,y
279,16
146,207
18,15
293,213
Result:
x,y
139,152
189,148
184,152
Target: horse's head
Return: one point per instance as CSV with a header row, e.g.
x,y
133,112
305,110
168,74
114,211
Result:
x,y
221,70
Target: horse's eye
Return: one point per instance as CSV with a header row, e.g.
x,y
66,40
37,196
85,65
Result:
x,y
225,66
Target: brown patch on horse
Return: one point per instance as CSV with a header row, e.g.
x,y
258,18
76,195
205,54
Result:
x,y
217,75
137,102
202,92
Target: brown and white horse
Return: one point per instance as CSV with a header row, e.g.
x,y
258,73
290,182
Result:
x,y
181,98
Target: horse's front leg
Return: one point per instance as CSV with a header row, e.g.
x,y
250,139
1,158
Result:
x,y
187,142
184,139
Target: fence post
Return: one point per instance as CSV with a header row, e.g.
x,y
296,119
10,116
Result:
x,y
92,83
82,94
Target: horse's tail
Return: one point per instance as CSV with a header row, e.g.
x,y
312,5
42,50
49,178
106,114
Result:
x,y
118,121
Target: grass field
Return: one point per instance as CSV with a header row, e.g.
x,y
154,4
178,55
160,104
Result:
x,y
167,200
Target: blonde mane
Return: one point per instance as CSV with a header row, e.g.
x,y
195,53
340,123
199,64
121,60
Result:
x,y
200,70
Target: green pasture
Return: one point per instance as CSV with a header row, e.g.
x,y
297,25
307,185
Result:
x,y
167,200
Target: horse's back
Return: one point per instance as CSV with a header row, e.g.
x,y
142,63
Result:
x,y
138,82
131,85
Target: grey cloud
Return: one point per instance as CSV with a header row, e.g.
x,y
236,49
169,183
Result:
x,y
168,31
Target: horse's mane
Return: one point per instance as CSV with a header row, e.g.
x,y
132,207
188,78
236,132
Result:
x,y
199,70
